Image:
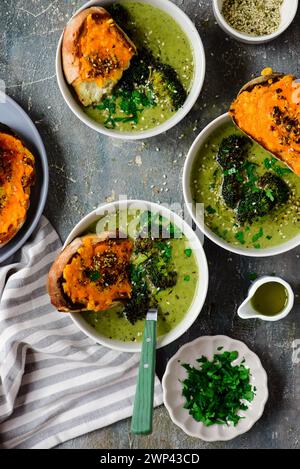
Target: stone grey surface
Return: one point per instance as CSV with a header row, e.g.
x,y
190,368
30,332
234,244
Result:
x,y
87,168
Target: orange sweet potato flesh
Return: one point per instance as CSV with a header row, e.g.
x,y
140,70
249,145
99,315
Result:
x,y
269,113
97,275
16,178
103,35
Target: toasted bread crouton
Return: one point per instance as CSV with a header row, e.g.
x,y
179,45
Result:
x,y
95,54
92,273
17,175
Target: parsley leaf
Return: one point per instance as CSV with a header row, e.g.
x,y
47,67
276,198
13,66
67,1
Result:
x,y
210,209
216,392
258,235
93,275
188,252
252,276
240,237
272,163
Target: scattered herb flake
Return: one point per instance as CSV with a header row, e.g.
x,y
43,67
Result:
x,y
252,276
258,235
272,163
210,209
240,237
269,193
93,275
188,252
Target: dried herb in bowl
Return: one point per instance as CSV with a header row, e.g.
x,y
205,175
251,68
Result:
x,y
216,392
253,17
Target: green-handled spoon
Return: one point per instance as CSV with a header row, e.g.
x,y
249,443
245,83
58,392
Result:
x,y
141,423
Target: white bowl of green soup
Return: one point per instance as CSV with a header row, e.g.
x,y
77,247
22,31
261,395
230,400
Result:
x,y
168,270
164,78
240,195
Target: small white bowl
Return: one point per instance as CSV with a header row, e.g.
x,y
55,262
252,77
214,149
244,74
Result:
x,y
195,244
246,310
288,13
199,64
175,373
192,155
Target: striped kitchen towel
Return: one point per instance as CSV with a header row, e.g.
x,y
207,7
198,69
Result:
x,y
55,383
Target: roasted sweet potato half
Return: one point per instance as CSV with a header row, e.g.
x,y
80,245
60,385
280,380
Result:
x,y
17,175
267,109
95,53
91,274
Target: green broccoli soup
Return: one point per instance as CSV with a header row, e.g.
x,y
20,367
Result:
x,y
159,77
163,274
250,198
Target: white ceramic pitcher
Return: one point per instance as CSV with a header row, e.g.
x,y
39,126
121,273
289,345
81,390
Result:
x,y
246,310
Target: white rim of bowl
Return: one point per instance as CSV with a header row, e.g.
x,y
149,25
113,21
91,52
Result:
x,y
192,155
223,338
199,297
197,83
254,39
40,153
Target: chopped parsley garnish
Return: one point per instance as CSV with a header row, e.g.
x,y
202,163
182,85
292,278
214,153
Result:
x,y
257,246
272,163
188,252
230,171
240,237
187,278
173,231
258,235
210,209
130,103
269,193
216,392
222,234
251,172
154,223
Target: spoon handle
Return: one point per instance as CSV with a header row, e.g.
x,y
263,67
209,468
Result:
x,y
141,423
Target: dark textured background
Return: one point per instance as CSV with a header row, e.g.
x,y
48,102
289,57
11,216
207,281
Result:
x,y
87,168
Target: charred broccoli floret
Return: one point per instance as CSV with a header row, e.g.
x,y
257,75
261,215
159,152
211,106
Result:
x,y
160,274
231,190
153,269
253,205
166,85
139,71
140,302
231,152
157,264
275,187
